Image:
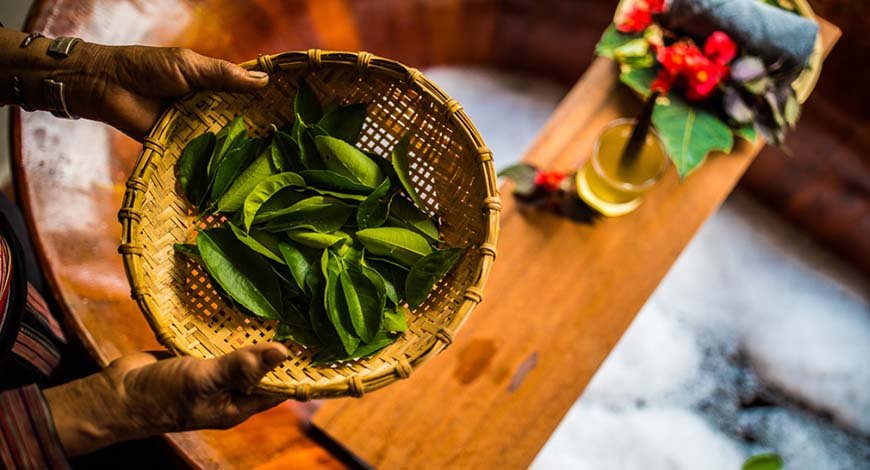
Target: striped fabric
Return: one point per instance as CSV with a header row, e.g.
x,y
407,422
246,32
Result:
x,y
27,436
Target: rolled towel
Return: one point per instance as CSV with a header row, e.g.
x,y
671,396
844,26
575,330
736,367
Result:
x,y
763,30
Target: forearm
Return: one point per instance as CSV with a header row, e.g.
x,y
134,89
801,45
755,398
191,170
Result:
x,y
88,415
30,66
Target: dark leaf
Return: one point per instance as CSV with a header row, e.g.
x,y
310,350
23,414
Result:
x,y
264,191
523,176
375,209
345,122
426,272
402,165
403,213
236,161
192,167
306,106
234,198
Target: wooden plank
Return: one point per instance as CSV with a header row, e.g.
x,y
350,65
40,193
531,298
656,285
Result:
x,y
559,298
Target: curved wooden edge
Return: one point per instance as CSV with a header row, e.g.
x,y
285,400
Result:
x,y
358,384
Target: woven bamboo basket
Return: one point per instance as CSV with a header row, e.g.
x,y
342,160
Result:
x,y
451,168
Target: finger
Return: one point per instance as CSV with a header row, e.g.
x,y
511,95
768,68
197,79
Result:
x,y
219,75
244,368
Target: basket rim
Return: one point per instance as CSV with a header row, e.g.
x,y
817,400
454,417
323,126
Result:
x,y
130,217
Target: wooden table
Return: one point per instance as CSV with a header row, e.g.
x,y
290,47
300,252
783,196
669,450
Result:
x,y
559,298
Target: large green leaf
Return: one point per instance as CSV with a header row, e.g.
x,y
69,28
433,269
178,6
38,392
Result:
x,y
399,244
266,190
639,79
612,39
234,197
243,274
347,160
375,209
323,214
689,133
402,165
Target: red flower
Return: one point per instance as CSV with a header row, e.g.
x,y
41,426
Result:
x,y
680,57
549,180
720,48
636,19
703,79
663,82
656,6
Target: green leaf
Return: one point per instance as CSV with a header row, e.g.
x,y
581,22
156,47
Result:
x,y
306,106
189,251
746,132
236,161
347,197
192,167
330,180
768,461
245,276
336,304
347,160
226,140
396,243
393,274
365,298
375,209
305,144
263,192
426,272
380,341
319,213
403,170
318,240
288,152
690,133
612,39
345,122
305,337
234,198
403,213
639,79
394,319
299,261
635,53
523,176
260,241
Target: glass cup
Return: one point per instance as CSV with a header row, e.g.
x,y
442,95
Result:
x,y
613,187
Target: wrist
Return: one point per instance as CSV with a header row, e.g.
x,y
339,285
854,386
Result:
x,y
89,414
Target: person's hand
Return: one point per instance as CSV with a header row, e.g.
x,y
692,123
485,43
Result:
x,y
127,87
139,396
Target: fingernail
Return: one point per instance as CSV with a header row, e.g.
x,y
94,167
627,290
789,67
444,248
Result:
x,y
257,75
273,357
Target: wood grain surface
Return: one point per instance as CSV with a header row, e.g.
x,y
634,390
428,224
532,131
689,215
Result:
x,y
559,298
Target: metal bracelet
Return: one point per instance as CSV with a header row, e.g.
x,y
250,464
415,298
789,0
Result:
x,y
29,39
15,84
55,99
62,46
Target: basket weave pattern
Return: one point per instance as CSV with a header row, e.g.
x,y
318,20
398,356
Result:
x,y
451,169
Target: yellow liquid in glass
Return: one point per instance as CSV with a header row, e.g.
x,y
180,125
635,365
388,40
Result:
x,y
614,182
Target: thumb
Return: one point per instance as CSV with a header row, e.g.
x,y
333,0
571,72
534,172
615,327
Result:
x,y
243,369
219,75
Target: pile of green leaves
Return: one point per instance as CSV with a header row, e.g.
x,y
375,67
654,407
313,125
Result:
x,y
332,242
757,98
